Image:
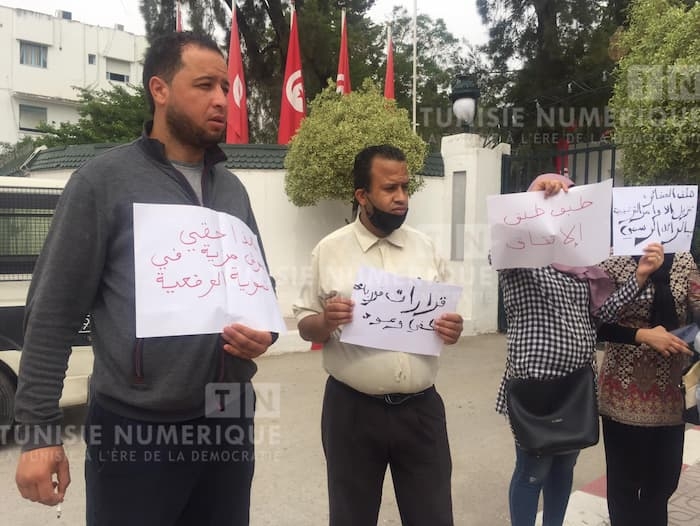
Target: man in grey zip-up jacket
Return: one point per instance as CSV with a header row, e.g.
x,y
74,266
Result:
x,y
158,384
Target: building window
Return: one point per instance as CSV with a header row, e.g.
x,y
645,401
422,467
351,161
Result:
x,y
33,54
117,77
118,70
92,59
30,117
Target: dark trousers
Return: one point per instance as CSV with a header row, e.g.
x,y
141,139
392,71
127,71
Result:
x,y
194,473
643,468
362,435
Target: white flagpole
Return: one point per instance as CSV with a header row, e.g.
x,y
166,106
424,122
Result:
x,y
415,62
388,38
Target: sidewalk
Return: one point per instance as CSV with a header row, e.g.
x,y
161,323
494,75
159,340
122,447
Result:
x,y
289,488
588,507
482,450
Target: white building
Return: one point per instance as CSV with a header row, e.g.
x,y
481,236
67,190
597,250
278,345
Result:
x,y
43,57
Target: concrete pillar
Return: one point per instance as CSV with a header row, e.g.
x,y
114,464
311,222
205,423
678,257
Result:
x,y
472,172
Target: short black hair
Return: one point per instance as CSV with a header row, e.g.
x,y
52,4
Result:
x,y
361,170
164,57
363,162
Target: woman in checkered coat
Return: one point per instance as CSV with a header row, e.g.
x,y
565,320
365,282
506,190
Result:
x,y
551,333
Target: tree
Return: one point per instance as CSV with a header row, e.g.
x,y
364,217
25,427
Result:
x,y
549,56
657,89
321,154
204,16
19,150
115,115
159,17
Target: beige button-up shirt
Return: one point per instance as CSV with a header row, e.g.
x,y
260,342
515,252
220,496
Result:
x,y
334,265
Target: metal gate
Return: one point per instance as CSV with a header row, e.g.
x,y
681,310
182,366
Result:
x,y
584,165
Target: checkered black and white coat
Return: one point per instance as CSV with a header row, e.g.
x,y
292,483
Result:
x,y
551,331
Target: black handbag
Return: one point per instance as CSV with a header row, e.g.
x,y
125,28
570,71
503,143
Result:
x,y
551,417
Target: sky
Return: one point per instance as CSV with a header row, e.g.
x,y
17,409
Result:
x,y
460,15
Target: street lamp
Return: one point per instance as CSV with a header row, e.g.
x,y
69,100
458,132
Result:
x,y
464,96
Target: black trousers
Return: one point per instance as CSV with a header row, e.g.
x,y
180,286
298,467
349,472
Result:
x,y
643,469
362,435
194,473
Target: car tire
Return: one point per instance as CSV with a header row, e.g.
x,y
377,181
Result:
x,y
7,399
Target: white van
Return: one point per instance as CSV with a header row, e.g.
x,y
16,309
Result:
x,y
26,208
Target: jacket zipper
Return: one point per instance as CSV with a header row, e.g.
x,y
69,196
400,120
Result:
x,y
138,361
203,185
180,179
222,360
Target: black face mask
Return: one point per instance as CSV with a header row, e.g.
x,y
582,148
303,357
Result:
x,y
385,221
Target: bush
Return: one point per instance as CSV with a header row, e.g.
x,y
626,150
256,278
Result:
x,y
321,154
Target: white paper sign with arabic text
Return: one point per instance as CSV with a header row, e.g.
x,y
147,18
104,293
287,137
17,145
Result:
x,y
396,313
197,271
530,231
648,214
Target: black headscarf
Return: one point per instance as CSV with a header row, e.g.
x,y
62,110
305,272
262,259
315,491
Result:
x,y
663,307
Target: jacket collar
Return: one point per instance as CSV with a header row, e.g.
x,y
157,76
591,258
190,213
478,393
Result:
x,y
156,149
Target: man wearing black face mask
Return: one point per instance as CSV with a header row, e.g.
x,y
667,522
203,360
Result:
x,y
380,407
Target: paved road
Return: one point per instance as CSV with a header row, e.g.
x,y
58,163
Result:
x,y
289,487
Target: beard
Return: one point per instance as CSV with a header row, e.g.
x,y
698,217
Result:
x,y
187,132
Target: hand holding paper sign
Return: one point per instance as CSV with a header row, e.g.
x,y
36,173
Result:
x,y
449,327
652,259
402,314
244,342
337,311
550,187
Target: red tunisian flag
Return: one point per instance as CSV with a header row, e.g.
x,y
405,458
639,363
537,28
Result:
x,y
389,76
343,79
237,118
561,162
293,103
178,22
